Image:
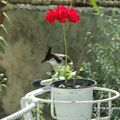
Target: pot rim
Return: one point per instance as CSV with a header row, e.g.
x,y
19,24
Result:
x,y
82,79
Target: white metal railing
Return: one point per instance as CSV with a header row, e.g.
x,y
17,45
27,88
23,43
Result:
x,y
30,101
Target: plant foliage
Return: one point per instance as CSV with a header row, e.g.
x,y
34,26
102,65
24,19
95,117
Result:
x,y
104,67
3,81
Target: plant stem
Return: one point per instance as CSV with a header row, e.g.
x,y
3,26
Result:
x,y
66,82
65,43
82,56
81,59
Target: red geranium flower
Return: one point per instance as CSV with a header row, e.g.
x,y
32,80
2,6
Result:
x,y
50,16
73,15
61,14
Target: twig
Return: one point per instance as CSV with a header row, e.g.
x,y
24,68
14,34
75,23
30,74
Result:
x,y
82,56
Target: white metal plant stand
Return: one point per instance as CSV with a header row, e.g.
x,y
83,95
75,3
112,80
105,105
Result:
x,y
31,100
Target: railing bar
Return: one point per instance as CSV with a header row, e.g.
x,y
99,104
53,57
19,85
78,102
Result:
x,y
98,111
109,104
21,112
35,100
38,112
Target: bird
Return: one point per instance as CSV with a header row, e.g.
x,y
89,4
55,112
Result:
x,y
56,59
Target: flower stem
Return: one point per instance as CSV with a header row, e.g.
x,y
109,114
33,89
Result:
x,y
65,43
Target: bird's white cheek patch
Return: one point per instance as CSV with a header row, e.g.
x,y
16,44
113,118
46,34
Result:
x,y
52,59
53,62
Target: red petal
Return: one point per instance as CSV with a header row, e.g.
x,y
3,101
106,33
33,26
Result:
x,y
50,16
73,15
61,14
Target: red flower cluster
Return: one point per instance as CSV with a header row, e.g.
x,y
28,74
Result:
x,y
62,14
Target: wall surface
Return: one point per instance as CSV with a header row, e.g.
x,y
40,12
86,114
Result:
x,y
29,37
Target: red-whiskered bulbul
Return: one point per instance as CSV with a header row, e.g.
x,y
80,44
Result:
x,y
56,59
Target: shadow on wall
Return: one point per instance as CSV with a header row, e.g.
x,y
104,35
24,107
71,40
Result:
x,y
29,37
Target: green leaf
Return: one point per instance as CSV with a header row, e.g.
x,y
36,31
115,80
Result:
x,y
9,6
3,85
4,80
95,6
6,16
4,28
3,41
2,49
2,44
70,76
0,89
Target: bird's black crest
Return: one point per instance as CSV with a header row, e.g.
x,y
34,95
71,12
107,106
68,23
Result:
x,y
51,55
48,55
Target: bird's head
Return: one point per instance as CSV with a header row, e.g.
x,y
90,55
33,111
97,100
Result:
x,y
51,58
56,59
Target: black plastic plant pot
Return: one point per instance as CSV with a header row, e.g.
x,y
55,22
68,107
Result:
x,y
80,83
72,111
